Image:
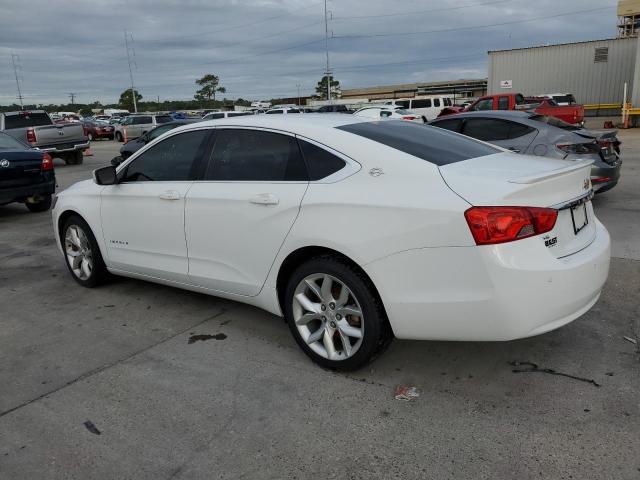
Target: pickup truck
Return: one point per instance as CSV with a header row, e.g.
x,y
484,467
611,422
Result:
x,y
66,141
26,175
572,114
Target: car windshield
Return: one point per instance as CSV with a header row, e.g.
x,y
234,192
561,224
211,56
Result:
x,y
9,143
555,122
435,145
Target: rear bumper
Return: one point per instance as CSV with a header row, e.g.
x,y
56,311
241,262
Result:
x,y
66,149
604,177
489,293
17,194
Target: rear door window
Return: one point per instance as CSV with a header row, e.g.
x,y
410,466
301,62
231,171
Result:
x,y
485,104
517,130
503,103
163,119
320,163
436,102
435,145
141,120
255,155
402,103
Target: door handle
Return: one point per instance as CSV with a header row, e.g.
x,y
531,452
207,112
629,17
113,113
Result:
x,y
170,195
264,199
514,149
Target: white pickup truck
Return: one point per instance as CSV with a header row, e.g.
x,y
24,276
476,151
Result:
x,y
66,140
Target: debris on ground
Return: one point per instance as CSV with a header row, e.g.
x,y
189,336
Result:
x,y
92,428
533,368
202,338
403,392
632,340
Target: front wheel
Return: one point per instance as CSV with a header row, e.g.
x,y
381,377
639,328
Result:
x,y
82,254
119,136
335,314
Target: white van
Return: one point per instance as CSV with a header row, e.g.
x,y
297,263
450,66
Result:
x,y
428,107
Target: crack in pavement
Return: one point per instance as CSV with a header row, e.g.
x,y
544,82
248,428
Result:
x,y
111,364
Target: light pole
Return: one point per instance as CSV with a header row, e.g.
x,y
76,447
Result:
x,y
298,86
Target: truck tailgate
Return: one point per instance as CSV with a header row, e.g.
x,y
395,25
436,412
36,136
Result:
x,y
65,135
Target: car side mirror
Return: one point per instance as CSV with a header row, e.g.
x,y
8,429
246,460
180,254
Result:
x,y
105,175
115,161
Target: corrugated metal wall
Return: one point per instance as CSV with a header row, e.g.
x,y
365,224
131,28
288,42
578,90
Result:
x,y
567,68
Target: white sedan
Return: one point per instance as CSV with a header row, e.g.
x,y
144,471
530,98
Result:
x,y
389,113
355,231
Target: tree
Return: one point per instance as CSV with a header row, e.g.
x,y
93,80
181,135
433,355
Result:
x,y
210,84
334,85
126,99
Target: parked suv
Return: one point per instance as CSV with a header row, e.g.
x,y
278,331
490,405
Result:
x,y
429,108
136,125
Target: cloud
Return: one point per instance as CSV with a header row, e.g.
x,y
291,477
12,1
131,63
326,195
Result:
x,y
264,48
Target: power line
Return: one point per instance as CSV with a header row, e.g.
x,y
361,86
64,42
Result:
x,y
417,12
473,27
72,96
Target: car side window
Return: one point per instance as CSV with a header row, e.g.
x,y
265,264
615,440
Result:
x,y
156,132
453,124
272,112
171,160
255,155
503,103
486,104
436,102
421,103
320,163
142,120
517,130
402,103
486,129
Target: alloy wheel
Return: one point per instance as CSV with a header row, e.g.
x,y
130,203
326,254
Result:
x,y
328,316
78,252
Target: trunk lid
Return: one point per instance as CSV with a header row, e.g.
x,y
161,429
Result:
x,y
19,168
526,181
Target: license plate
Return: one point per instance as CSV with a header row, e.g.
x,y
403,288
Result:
x,y
579,217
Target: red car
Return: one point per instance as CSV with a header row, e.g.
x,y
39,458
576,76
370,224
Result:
x,y
96,129
573,114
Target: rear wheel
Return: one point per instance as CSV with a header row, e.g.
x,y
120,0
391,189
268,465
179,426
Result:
x,y
335,315
41,205
119,136
90,136
82,254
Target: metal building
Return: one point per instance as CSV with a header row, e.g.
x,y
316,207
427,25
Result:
x,y
594,71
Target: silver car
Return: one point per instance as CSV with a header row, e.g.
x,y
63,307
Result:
x,y
135,126
534,134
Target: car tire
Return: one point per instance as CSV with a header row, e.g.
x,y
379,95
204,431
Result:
x,y
119,137
82,253
41,206
324,320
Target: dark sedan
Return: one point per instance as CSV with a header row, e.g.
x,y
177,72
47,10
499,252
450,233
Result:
x,y
136,144
26,175
534,134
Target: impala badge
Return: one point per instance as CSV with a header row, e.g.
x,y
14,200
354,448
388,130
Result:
x,y
375,172
4,163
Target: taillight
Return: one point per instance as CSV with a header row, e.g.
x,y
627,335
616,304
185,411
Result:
x,y
47,162
600,179
408,118
31,135
490,225
579,148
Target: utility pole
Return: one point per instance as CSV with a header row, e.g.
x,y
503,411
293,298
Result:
x,y
133,90
15,57
298,85
73,97
326,46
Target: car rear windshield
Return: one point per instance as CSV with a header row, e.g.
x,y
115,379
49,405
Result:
x,y
555,122
564,99
163,119
435,145
9,143
26,119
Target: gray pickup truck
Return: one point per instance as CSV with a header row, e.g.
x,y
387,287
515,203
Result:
x,y
66,141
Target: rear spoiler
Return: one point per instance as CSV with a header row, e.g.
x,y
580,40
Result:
x,y
553,173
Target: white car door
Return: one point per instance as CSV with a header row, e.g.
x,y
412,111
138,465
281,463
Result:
x,y
143,214
238,217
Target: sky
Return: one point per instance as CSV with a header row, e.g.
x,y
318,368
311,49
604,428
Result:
x,y
263,49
